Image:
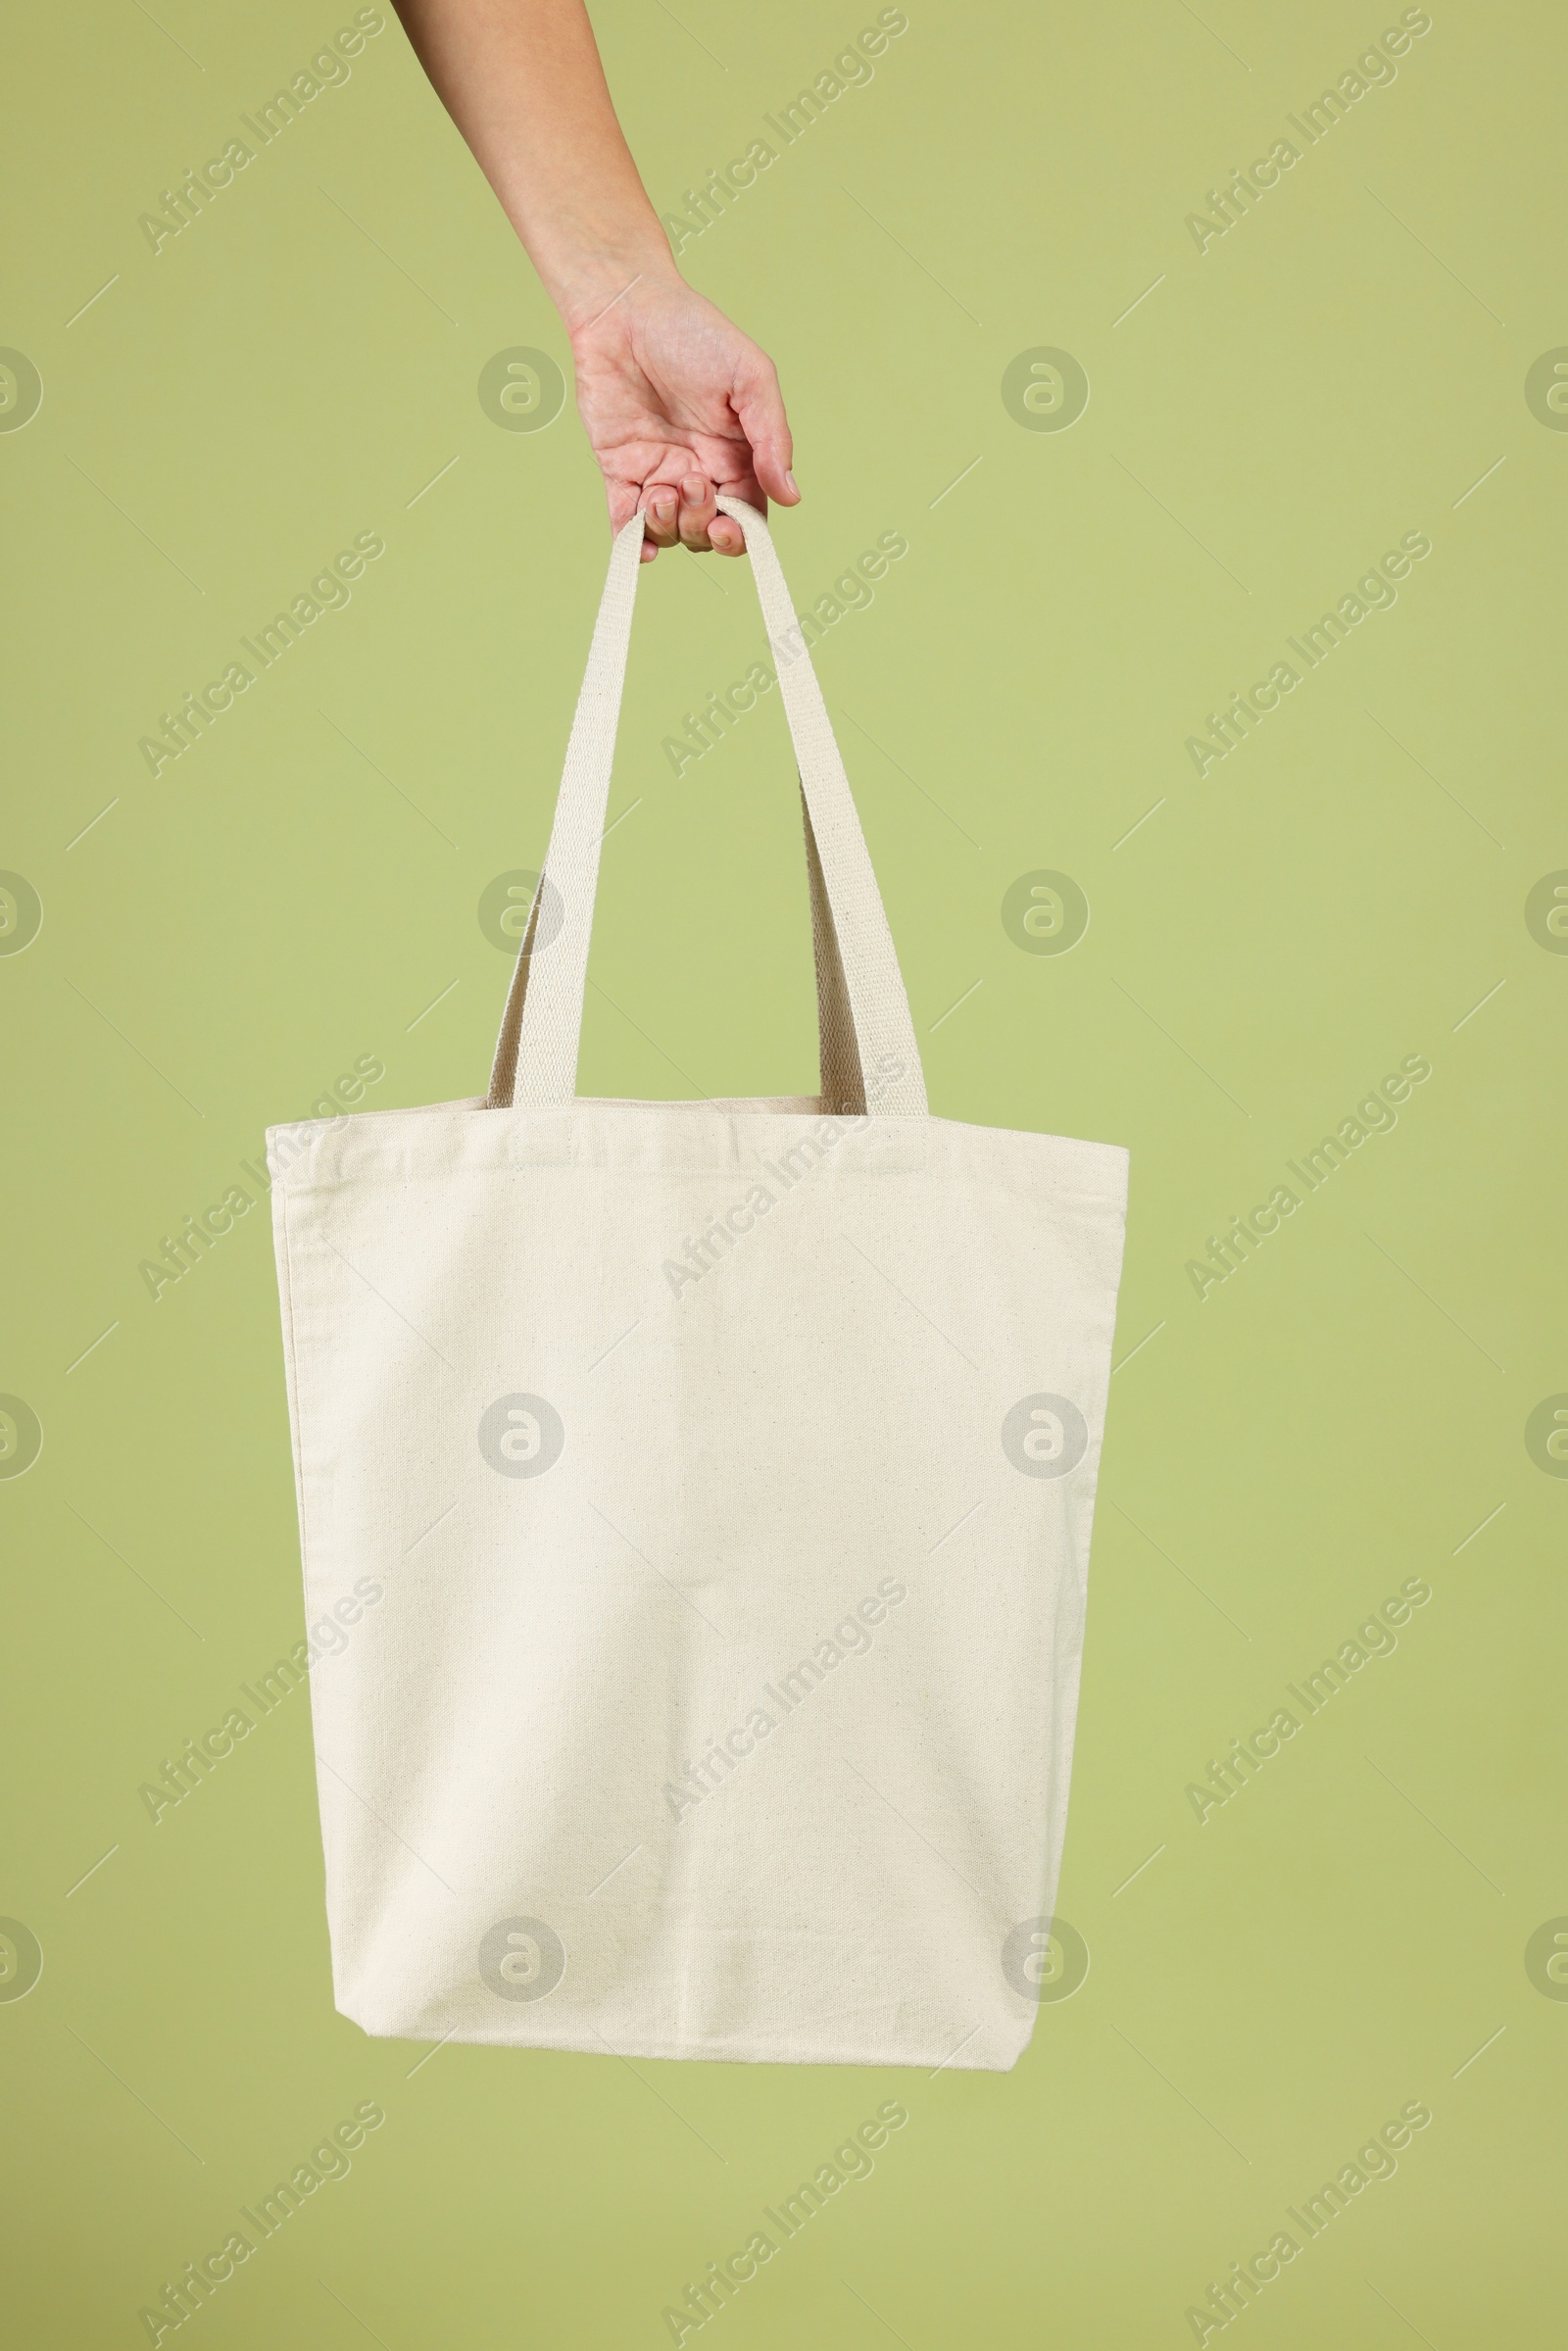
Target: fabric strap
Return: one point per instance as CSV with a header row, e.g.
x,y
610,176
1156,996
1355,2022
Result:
x,y
866,1035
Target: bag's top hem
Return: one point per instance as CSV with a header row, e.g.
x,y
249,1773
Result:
x,y
800,1105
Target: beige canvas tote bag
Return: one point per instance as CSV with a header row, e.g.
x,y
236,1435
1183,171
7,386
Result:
x,y
701,1494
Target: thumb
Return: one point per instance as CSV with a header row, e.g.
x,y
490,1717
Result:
x,y
758,406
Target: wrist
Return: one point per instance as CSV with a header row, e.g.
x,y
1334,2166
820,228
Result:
x,y
611,282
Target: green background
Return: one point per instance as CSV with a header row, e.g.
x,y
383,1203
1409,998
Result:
x,y
1346,365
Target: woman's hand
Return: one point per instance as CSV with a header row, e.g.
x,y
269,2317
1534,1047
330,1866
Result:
x,y
676,401
678,404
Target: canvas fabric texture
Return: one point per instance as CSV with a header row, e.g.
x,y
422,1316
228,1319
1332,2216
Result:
x,y
702,1491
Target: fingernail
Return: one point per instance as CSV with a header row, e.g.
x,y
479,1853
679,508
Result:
x,y
792,484
694,491
665,508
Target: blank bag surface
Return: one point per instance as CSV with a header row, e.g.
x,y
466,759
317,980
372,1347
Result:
x,y
701,1494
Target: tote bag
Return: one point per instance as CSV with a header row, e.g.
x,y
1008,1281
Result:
x,y
702,1492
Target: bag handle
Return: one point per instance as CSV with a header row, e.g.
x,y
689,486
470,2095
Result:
x,y
866,1033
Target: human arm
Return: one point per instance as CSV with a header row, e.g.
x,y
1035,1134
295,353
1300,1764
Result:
x,y
676,401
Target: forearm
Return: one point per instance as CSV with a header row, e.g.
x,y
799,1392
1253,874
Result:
x,y
522,81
